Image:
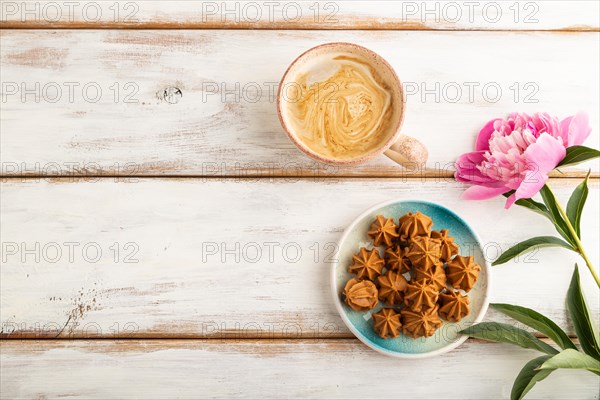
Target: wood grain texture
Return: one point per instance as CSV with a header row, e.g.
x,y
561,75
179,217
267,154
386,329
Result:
x,y
172,258
222,255
134,129
268,369
303,14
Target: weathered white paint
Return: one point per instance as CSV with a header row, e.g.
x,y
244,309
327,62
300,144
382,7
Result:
x,y
204,265
170,292
192,369
305,14
208,134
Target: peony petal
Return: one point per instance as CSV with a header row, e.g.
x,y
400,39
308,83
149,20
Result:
x,y
548,123
520,121
545,154
483,139
564,129
510,201
578,129
531,185
542,157
483,192
467,171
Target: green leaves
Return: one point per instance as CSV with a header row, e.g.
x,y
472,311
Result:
x,y
554,214
568,225
578,154
504,333
531,204
539,368
576,203
529,376
540,241
534,206
572,359
538,322
551,210
580,314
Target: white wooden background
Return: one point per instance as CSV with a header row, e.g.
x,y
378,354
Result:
x,y
214,232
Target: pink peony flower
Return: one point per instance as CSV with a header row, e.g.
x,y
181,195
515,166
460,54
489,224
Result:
x,y
518,153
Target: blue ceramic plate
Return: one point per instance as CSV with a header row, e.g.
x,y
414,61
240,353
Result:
x,y
447,337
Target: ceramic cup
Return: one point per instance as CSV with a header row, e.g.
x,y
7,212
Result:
x,y
403,149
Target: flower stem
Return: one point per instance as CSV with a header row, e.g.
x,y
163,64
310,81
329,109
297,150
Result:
x,y
578,243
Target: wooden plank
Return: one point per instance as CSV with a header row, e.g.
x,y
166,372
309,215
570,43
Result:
x,y
303,14
155,369
236,132
172,258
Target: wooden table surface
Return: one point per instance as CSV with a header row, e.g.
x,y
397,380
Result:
x,y
162,238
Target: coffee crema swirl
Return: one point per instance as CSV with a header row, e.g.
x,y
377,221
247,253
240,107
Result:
x,y
344,115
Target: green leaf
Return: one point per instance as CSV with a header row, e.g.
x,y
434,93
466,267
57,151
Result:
x,y
556,218
578,154
520,248
528,377
532,205
576,203
504,333
572,359
535,206
585,328
538,322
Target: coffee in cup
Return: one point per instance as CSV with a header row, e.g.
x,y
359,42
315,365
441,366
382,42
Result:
x,y
343,104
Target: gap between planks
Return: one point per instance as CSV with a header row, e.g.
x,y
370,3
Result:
x,y
267,175
225,336
14,25
184,341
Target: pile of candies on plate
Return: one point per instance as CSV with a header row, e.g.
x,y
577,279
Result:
x,y
421,278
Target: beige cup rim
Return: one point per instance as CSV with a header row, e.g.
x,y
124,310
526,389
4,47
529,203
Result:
x,y
308,151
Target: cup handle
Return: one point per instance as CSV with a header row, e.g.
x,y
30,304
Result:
x,y
408,152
